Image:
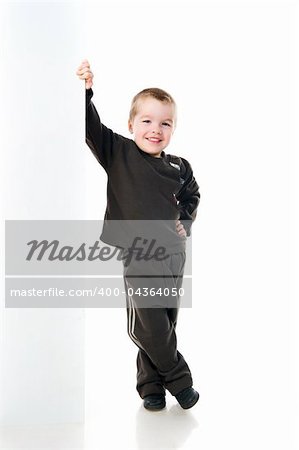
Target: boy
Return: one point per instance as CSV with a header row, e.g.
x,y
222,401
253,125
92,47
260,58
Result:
x,y
145,184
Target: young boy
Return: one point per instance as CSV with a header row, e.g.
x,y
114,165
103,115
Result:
x,y
145,184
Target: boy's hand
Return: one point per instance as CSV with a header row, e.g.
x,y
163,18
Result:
x,y
84,73
180,229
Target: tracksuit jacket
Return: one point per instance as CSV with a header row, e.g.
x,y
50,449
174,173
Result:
x,y
140,186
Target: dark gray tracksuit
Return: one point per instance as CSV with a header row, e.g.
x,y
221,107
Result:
x,y
141,187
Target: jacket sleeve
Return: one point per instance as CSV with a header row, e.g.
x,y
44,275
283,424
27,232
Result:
x,y
188,196
102,141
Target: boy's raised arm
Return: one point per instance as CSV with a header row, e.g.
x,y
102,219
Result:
x,y
101,140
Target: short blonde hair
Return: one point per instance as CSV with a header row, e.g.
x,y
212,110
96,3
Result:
x,y
158,94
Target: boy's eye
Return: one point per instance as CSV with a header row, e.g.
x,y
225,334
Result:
x,y
164,123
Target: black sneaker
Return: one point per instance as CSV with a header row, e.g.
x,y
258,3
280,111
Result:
x,y
154,402
187,397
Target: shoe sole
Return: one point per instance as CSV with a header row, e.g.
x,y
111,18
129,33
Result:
x,y
154,408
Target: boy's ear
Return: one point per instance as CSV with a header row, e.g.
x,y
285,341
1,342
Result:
x,y
130,126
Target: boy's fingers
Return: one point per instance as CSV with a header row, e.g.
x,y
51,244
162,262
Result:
x,y
84,65
83,70
84,73
86,76
180,229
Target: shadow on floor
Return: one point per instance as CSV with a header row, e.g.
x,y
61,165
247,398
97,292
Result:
x,y
169,428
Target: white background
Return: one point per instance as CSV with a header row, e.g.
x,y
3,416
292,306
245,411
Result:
x,y
233,69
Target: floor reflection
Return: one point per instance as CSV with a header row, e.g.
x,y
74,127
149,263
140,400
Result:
x,y
169,428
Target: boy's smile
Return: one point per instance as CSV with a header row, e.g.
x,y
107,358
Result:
x,y
153,125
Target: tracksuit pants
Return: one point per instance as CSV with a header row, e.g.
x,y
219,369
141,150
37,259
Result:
x,y
151,323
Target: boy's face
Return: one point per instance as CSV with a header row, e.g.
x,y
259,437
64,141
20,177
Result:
x,y
153,125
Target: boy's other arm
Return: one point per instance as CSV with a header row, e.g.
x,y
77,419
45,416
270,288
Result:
x,y
188,197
